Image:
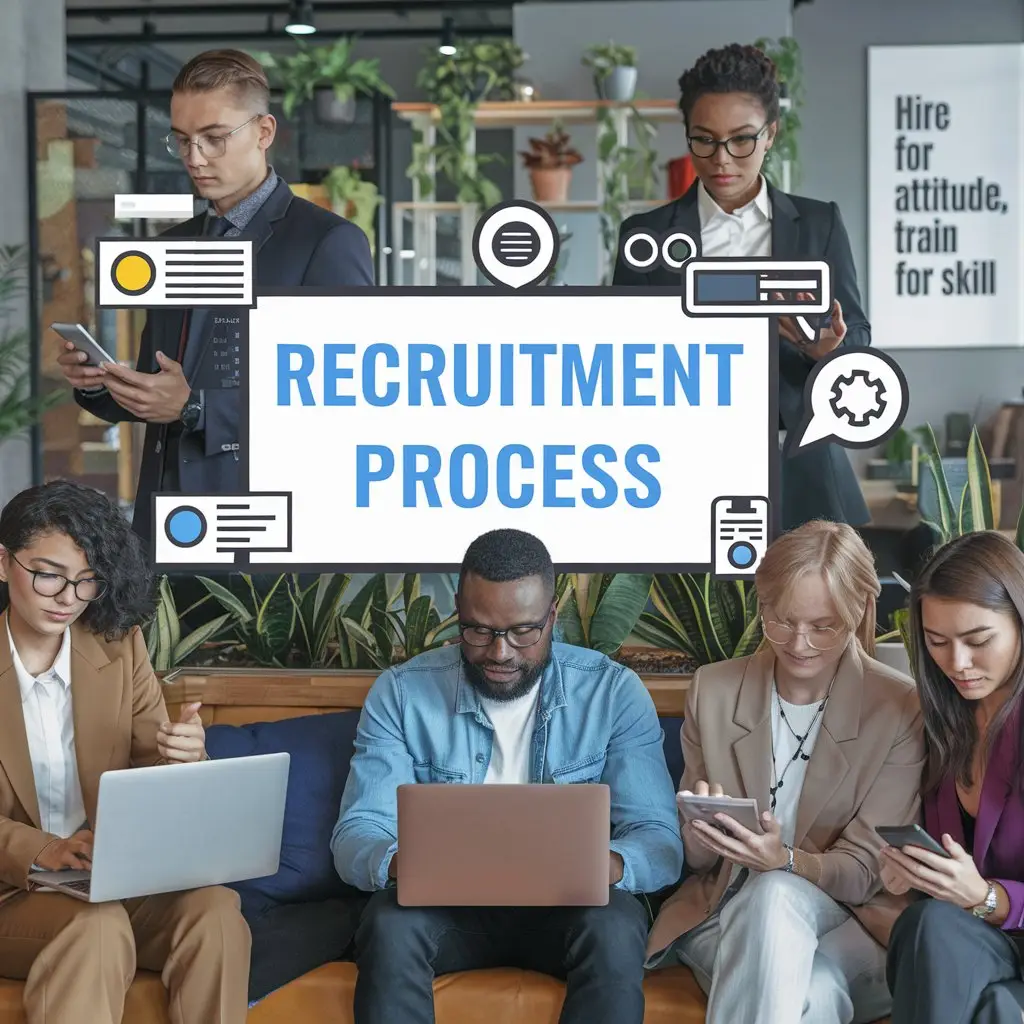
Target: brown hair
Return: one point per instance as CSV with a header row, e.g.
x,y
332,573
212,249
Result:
x,y
836,552
984,569
226,69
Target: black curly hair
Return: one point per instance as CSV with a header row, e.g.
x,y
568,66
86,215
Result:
x,y
501,556
97,526
733,68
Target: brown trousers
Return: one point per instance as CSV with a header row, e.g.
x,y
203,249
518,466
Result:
x,y
74,954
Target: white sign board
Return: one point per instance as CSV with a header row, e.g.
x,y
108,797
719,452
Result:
x,y
946,159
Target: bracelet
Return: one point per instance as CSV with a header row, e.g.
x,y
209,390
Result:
x,y
789,851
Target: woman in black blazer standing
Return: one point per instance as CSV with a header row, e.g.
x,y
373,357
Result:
x,y
730,105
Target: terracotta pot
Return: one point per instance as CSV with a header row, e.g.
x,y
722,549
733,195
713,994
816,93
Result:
x,y
551,185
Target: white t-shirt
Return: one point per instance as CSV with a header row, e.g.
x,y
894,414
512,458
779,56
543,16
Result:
x,y
785,743
513,722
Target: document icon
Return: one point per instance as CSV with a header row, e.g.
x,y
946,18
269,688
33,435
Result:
x,y
194,272
211,529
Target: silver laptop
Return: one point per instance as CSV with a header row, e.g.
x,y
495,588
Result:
x,y
181,826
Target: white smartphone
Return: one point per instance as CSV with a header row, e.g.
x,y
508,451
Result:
x,y
84,342
704,808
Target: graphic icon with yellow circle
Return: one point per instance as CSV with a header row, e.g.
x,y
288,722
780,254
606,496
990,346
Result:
x,y
133,273
193,272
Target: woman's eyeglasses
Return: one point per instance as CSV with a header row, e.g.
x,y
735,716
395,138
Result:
x,y
821,638
50,584
739,147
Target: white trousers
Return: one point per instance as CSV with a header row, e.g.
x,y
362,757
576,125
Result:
x,y
781,951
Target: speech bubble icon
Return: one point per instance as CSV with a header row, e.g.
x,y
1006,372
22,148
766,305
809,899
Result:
x,y
856,397
516,243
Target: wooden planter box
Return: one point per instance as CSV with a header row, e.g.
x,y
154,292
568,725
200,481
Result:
x,y
275,687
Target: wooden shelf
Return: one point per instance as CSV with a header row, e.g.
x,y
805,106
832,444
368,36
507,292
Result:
x,y
498,115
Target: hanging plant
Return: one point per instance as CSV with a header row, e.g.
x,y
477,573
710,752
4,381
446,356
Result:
x,y
785,54
457,84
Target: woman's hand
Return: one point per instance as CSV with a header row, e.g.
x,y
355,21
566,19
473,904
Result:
x,y
954,879
893,881
698,855
764,852
184,740
829,339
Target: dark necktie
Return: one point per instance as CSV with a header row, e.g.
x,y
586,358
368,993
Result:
x,y
217,227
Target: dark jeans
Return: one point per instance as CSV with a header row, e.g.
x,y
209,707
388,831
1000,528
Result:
x,y
946,966
597,951
290,939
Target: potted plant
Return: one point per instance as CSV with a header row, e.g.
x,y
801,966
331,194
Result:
x,y
550,161
614,69
354,199
328,75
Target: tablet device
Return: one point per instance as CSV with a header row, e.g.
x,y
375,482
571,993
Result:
x,y
910,835
84,342
704,808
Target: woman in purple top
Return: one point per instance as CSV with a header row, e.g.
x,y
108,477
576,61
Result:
x,y
955,957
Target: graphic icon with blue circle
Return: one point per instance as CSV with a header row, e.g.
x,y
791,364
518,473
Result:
x,y
185,527
739,535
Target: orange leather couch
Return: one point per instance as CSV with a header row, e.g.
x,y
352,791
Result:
x,y
507,996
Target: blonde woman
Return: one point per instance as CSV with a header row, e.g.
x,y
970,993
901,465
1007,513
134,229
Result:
x,y
791,925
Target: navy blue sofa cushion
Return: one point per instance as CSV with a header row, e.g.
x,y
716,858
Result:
x,y
320,747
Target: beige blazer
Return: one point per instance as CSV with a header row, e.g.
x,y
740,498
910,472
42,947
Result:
x,y
865,770
117,708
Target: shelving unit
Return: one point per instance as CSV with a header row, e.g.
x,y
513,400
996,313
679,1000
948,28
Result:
x,y
417,263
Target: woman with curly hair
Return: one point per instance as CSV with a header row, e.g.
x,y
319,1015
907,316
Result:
x,y
78,697
730,104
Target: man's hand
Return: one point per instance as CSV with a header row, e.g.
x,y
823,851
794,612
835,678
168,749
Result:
x,y
76,373
616,868
954,879
73,853
184,740
758,852
829,339
153,397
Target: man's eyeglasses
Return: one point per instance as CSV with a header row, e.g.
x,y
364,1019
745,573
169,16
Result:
x,y
738,146
210,146
50,584
525,635
821,638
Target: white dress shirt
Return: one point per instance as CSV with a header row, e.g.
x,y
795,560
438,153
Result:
x,y
46,705
744,233
513,722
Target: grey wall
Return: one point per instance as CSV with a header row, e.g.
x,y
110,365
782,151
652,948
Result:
x,y
31,58
834,36
669,36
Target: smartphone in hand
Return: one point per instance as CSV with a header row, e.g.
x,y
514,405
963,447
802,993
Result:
x,y
910,835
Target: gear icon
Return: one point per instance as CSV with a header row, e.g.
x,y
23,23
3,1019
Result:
x,y
858,398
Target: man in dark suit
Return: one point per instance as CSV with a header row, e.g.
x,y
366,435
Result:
x,y
730,102
185,384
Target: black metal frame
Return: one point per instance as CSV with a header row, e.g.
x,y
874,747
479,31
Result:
x,y
143,98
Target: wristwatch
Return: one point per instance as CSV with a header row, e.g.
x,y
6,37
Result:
x,y
191,411
988,907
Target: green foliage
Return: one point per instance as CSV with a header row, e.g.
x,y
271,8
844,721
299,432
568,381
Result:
x,y
602,58
974,508
457,83
18,409
785,53
706,618
899,447
344,185
600,610
317,67
627,172
167,647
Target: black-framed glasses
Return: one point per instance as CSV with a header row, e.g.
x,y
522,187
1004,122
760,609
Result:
x,y
50,584
525,635
210,146
821,638
739,147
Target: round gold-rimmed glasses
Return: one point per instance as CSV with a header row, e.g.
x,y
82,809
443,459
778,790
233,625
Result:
x,y
820,638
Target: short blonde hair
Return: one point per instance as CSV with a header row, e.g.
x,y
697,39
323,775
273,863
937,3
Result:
x,y
226,69
837,553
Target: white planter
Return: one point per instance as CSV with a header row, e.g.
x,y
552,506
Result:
x,y
894,654
620,85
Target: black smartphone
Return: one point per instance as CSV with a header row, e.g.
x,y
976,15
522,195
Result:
x,y
910,835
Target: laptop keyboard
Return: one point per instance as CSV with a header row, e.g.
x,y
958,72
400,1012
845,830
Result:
x,y
82,885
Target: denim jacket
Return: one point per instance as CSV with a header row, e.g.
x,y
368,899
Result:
x,y
596,722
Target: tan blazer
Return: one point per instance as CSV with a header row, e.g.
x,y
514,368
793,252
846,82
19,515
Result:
x,y
865,770
117,706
